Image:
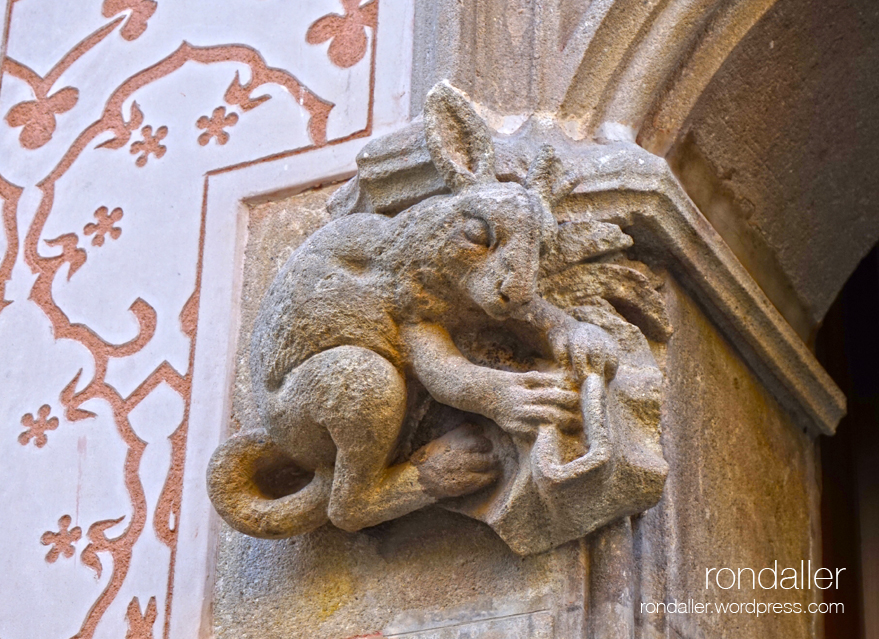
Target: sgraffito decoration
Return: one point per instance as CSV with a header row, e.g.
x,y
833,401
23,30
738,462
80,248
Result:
x,y
113,113
466,350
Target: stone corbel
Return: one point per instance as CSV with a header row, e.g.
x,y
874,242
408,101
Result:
x,y
624,184
496,265
500,363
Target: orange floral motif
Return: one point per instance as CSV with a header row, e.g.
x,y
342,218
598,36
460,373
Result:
x,y
38,116
149,144
36,428
115,131
104,225
123,134
346,32
140,625
61,541
141,11
214,126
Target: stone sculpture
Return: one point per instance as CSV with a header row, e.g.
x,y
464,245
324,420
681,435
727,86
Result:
x,y
468,351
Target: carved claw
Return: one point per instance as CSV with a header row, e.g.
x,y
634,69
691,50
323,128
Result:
x,y
592,350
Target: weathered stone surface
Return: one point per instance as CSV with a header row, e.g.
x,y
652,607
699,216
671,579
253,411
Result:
x,y
742,490
781,149
275,229
430,357
535,625
428,574
622,185
544,487
741,493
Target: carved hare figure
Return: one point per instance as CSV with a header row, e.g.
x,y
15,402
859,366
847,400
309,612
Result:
x,y
364,316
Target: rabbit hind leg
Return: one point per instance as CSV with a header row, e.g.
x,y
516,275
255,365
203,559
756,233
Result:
x,y
357,398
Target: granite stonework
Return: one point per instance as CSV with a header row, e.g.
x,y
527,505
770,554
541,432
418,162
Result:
x,y
744,486
538,500
470,351
429,574
741,492
155,161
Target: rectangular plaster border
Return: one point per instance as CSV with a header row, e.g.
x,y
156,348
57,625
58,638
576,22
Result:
x,y
225,208
224,235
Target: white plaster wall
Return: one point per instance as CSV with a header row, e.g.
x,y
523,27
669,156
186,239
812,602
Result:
x,y
123,325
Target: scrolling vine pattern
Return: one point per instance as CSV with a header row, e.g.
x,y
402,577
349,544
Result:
x,y
123,124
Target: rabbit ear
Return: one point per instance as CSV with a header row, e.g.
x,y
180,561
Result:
x,y
458,139
547,178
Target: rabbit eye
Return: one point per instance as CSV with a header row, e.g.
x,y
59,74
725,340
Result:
x,y
477,232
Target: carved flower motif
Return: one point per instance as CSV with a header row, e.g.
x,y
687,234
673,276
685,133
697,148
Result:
x,y
150,144
38,116
61,541
215,125
37,427
346,32
104,225
141,11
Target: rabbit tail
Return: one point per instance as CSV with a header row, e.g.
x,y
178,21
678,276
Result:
x,y
249,482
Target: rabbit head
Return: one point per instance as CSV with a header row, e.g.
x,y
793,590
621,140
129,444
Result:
x,y
486,238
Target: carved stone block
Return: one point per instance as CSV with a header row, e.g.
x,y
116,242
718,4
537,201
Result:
x,y
450,342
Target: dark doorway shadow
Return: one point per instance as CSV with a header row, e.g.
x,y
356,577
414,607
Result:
x,y
848,347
